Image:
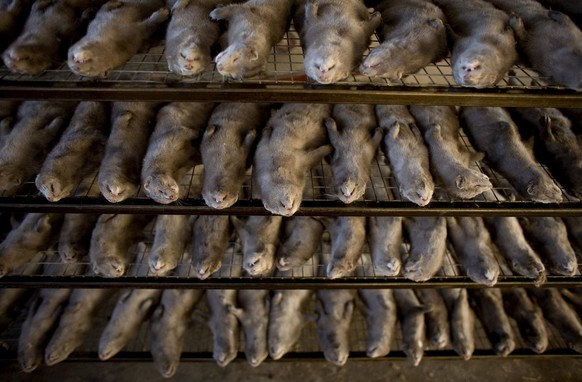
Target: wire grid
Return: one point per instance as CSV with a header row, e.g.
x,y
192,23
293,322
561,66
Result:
x,y
285,67
199,338
50,265
382,185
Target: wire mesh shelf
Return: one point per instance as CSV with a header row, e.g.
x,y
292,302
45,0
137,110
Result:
x,y
146,77
382,198
51,272
198,342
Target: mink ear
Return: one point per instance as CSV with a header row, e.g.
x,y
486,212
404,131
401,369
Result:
x,y
180,4
311,8
158,313
332,130
277,298
377,137
111,5
394,130
460,182
220,13
211,129
546,122
253,53
42,224
348,309
435,23
248,139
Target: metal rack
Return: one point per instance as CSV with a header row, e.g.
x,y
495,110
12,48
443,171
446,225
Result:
x,y
53,273
386,199
198,343
146,77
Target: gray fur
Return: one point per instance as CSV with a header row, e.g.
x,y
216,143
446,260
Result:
x,y
190,36
334,309
253,316
488,306
169,323
384,232
78,152
493,132
172,233
259,237
355,138
406,152
557,144
550,238
528,317
411,315
173,149
437,319
227,150
574,297
46,35
334,35
293,142
36,233
12,300
384,240
13,14
474,248
222,322
412,35
117,32
509,237
483,47
209,242
561,315
449,158
131,126
574,227
301,239
428,237
287,315
111,239
254,27
75,323
379,310
462,320
133,308
75,236
551,42
37,129
348,236
43,315
302,234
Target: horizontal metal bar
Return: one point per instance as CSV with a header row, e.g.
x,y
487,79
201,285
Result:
x,y
94,282
228,92
308,208
395,355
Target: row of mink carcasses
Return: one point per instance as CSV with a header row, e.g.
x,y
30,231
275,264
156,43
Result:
x,y
60,320
155,146
293,141
485,247
334,35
